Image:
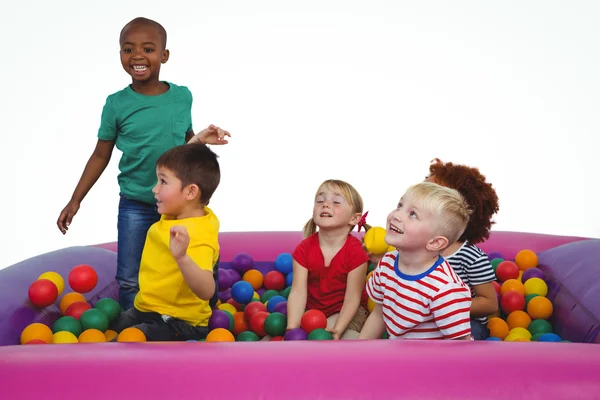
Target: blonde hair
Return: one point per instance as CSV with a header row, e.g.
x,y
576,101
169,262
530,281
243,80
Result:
x,y
350,194
447,205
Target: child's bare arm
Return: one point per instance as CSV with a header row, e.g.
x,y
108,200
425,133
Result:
x,y
297,298
95,166
211,135
354,290
374,326
485,301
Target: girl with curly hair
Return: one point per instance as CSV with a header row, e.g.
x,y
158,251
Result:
x,y
470,262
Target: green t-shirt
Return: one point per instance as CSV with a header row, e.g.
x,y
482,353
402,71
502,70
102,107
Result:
x,y
143,128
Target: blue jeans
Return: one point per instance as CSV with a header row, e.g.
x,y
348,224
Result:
x,y
479,330
135,218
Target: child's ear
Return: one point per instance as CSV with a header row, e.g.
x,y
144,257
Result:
x,y
355,219
438,243
165,56
191,192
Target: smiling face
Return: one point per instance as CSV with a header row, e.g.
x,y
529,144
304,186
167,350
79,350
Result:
x,y
411,226
142,51
168,192
332,210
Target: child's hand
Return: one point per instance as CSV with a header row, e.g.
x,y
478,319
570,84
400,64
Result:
x,y
211,135
334,332
179,241
66,216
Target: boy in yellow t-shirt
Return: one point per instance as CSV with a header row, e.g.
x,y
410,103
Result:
x,y
176,270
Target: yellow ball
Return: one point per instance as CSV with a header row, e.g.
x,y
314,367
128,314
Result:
x,y
513,337
390,249
370,305
535,286
256,296
520,278
219,302
374,240
55,278
64,337
520,332
228,307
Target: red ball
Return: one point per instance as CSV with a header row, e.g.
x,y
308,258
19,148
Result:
x,y
313,319
252,308
512,301
257,323
83,278
497,287
507,270
276,339
274,280
76,309
234,303
36,341
43,292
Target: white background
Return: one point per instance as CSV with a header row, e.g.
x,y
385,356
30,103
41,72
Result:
x,y
367,92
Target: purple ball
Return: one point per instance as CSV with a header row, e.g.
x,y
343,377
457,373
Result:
x,y
281,308
225,295
295,334
495,254
218,319
532,273
224,280
234,276
242,262
261,291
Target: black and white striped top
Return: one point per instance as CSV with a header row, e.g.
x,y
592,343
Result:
x,y
472,265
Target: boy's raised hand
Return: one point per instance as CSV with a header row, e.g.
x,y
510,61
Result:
x,y
179,241
211,135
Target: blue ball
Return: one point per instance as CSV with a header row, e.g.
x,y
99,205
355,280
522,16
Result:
x,y
494,339
288,279
283,263
242,292
549,337
273,301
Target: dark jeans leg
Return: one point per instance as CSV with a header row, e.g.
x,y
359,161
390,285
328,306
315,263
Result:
x,y
135,218
213,301
479,330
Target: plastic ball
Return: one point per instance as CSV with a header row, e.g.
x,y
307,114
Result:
x,y
274,301
234,304
516,333
220,319
540,308
498,328
507,270
295,334
284,263
529,297
274,280
539,326
491,338
83,278
536,286
254,277
374,240
549,337
495,262
224,281
286,292
224,295
242,292
253,308
111,308
512,284
36,341
234,276
289,279
276,339
266,296
239,323
275,324
94,318
257,323
370,305
281,308
43,293
68,299
313,319
64,337
518,319
110,335
68,324
512,301
92,336
227,307
534,338
532,273
131,335
526,259
55,278
495,254
220,335
36,331
242,262
247,336
76,309
319,334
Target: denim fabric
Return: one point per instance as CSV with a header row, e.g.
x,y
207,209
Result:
x,y
479,330
158,328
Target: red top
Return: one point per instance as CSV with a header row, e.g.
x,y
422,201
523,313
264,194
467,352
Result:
x,y
326,286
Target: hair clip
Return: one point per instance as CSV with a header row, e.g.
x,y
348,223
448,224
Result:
x,y
363,221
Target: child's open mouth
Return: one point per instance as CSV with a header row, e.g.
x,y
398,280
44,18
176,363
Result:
x,y
395,229
139,69
325,215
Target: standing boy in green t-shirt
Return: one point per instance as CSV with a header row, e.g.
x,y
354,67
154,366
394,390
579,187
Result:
x,y
144,120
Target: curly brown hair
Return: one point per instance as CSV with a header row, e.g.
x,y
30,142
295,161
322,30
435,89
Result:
x,y
479,194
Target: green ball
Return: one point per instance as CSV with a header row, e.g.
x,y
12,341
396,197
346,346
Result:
x,y
286,292
110,306
202,340
370,268
275,324
320,334
247,336
495,263
529,297
565,341
535,338
94,318
385,335
68,324
539,326
231,321
268,294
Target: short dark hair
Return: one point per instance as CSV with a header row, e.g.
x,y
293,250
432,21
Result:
x,y
194,164
148,22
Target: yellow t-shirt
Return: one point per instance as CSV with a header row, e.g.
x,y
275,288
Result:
x,y
162,287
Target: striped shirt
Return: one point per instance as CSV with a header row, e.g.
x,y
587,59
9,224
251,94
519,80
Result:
x,y
432,305
472,265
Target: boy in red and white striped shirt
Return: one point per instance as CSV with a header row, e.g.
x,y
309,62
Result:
x,y
417,293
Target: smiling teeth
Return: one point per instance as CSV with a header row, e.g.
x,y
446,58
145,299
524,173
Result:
x,y
394,229
325,215
139,67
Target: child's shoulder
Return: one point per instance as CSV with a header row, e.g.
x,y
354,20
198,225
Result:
x,y
127,92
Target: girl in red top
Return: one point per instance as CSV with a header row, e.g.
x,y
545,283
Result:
x,y
330,265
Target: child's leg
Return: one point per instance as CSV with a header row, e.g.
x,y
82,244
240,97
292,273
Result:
x,y
152,324
479,331
355,326
213,301
135,218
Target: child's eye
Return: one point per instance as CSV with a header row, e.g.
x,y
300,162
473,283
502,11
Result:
x,y
127,50
337,202
412,214
148,50
162,181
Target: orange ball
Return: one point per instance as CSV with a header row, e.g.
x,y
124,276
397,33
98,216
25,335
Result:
x,y
110,335
526,259
220,335
498,328
239,323
92,336
540,308
131,335
36,331
254,278
512,284
518,319
369,275
69,299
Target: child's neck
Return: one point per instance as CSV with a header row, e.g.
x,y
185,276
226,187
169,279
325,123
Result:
x,y
191,212
333,238
415,262
152,87
453,248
